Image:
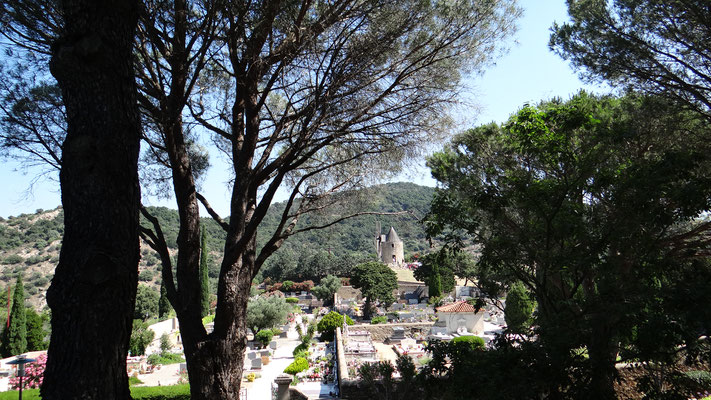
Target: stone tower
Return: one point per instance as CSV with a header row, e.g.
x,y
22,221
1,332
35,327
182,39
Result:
x,y
389,248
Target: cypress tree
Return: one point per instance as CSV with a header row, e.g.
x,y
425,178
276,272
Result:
x,y
435,281
519,308
164,306
204,279
14,340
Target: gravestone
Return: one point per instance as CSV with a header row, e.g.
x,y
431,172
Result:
x,y
398,335
257,363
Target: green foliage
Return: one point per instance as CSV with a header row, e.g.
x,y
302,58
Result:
x,y
298,365
165,343
141,337
164,307
12,259
173,392
301,350
146,303
292,300
204,277
519,308
380,319
264,337
449,263
164,358
327,288
14,338
435,282
266,312
585,201
133,381
376,282
36,332
475,342
146,275
328,324
648,45
286,286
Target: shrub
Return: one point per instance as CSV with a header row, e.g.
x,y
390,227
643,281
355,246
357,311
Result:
x,y
34,374
13,259
36,259
301,351
292,300
299,364
165,343
146,275
475,342
328,324
380,319
164,358
264,337
286,286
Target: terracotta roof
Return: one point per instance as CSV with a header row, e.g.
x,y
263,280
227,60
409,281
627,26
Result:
x,y
460,306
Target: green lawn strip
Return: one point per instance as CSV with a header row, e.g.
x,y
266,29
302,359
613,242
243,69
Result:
x,y
174,392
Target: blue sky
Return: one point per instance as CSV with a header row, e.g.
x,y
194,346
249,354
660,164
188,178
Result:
x,y
529,73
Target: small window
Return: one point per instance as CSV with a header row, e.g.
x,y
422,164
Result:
x,y
393,245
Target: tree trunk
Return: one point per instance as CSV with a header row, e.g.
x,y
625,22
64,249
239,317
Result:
x,y
367,308
94,287
215,361
602,355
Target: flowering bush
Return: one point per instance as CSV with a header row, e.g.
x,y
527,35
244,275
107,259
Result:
x,y
34,373
289,286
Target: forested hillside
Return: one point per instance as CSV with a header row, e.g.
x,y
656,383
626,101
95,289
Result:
x,y
30,243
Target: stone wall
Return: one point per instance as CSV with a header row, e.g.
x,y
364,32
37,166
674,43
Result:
x,y
348,293
380,332
341,358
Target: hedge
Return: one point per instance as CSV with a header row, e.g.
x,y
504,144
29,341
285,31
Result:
x,y
475,341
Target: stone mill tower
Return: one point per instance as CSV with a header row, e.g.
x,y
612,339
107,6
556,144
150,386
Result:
x,y
389,248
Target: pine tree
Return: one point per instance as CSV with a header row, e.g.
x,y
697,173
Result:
x,y
14,338
164,306
204,279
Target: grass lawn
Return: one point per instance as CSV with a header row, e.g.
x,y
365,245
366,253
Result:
x,y
175,392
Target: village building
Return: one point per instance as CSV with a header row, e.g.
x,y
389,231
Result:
x,y
458,319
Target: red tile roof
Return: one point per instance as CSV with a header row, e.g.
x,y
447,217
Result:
x,y
460,306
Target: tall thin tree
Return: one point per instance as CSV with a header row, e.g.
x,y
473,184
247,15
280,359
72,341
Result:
x,y
204,277
14,338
